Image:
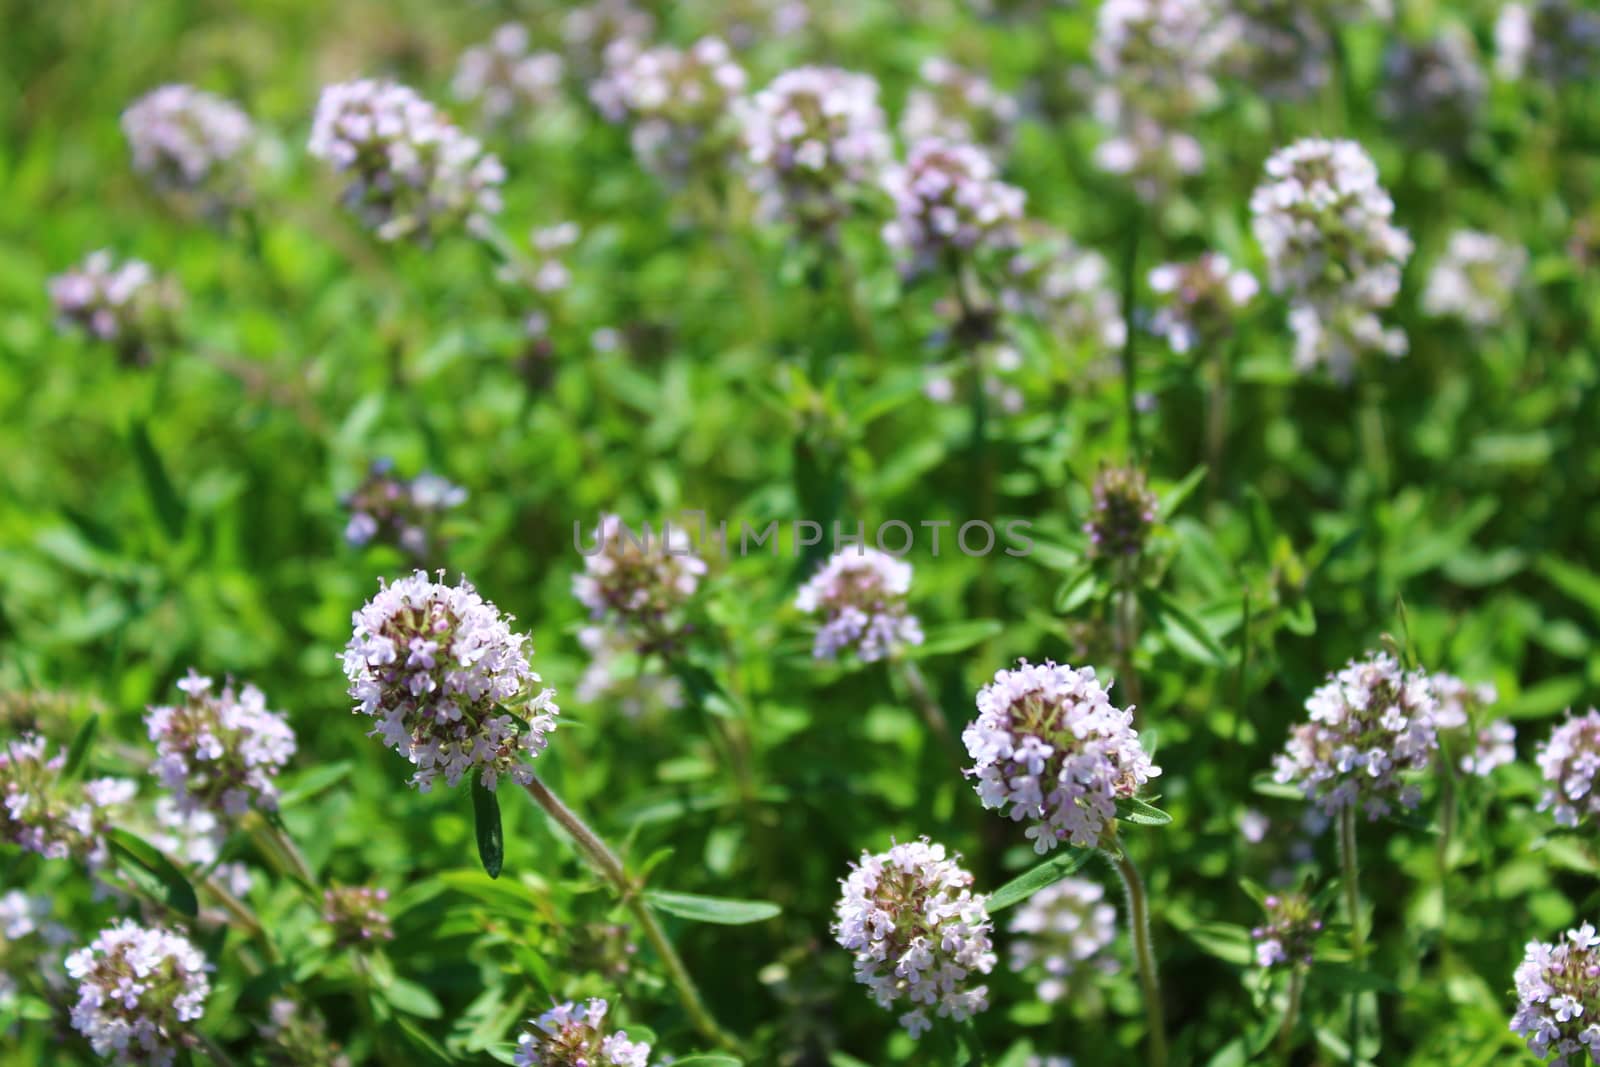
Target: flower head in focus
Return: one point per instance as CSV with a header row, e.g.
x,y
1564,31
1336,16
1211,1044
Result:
x,y
185,140
949,201
574,1035
220,751
1476,279
1568,761
1199,300
1370,726
44,811
677,102
959,106
1062,932
507,80
1049,747
1325,225
356,914
125,305
409,171
918,933
861,597
448,683
140,992
1558,997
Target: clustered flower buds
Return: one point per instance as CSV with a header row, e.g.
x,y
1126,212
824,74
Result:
x,y
1049,746
356,915
814,139
122,304
918,932
861,597
295,1035
44,812
679,101
953,104
399,511
140,990
1289,935
410,171
1199,300
1558,997
570,1035
1067,288
505,79
1370,725
220,752
1568,761
1123,512
185,140
448,682
1154,62
949,200
1324,223
1061,932
638,582
1476,279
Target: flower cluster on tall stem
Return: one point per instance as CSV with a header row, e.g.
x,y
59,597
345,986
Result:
x,y
678,103
1569,761
861,597
185,140
45,811
140,992
122,304
1558,997
639,583
220,752
1061,933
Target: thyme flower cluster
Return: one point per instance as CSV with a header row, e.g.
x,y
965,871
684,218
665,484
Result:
x,y
1558,997
678,101
1049,747
1325,225
1063,931
140,990
861,597
1288,936
918,932
409,171
1568,761
815,139
220,752
949,200
1370,725
954,104
505,78
572,1035
405,512
1067,288
640,582
448,682
124,304
1123,512
44,812
184,139
356,914
1476,279
1460,720
1199,300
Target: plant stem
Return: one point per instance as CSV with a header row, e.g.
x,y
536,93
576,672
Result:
x,y
286,854
1139,928
1125,631
610,867
1352,901
213,1050
922,697
1297,983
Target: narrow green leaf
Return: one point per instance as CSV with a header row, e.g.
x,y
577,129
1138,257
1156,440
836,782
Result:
x,y
1047,873
82,742
152,873
708,1059
1173,498
721,911
1228,942
1264,785
1141,813
314,782
1075,590
955,637
491,837
164,499
1188,635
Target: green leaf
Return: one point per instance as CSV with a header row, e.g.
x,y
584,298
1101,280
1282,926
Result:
x,y
722,911
708,1059
843,1059
1347,978
1173,498
314,782
1264,785
164,499
955,637
1141,813
1075,590
411,998
491,837
1576,582
152,873
1187,635
1228,942
82,743
1047,873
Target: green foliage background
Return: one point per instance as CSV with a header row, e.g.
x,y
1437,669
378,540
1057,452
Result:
x,y
189,514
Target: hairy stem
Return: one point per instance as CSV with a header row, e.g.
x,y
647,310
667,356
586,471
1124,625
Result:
x,y
609,866
1291,1017
1352,902
1144,954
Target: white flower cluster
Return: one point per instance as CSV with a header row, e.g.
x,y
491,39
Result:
x,y
1061,931
1460,716
591,29
814,139
505,79
949,200
572,1035
1067,288
918,932
638,581
124,303
1154,63
1324,223
1434,89
1568,761
1556,40
1370,725
1558,997
1476,279
617,676
186,139
410,171
861,596
1049,746
220,752
679,101
448,682
139,992
952,103
45,813
1199,300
